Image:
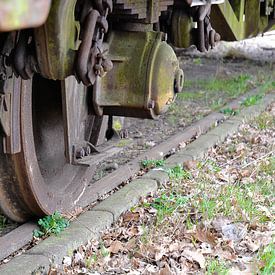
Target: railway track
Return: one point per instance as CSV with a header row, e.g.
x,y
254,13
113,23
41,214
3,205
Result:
x,y
20,239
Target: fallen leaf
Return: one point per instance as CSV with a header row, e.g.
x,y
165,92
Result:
x,y
166,270
115,247
245,173
219,222
234,232
194,256
190,164
130,216
205,236
130,245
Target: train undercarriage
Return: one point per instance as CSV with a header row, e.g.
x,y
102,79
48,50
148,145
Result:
x,y
67,67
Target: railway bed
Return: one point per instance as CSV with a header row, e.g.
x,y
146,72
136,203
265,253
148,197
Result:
x,y
21,237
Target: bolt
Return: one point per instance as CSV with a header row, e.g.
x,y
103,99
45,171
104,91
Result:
x,y
107,65
87,150
80,153
179,81
217,37
151,104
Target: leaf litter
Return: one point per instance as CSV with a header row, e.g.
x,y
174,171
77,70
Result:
x,y
217,220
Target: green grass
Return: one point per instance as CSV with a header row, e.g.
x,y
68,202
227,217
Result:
x,y
167,204
197,61
266,258
265,121
178,173
230,111
231,87
151,163
252,100
52,224
216,267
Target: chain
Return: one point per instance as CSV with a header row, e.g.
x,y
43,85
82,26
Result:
x,y
91,61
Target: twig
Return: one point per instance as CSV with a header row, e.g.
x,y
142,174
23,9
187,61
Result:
x,y
257,160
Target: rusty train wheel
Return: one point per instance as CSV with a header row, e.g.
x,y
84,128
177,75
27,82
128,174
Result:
x,y
38,180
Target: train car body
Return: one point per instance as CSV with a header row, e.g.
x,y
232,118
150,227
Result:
x,y
67,67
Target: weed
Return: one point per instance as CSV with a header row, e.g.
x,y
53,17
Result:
x,y
167,204
3,221
265,121
266,257
90,260
268,166
217,267
104,251
52,224
207,207
117,125
197,61
178,172
215,92
230,111
252,100
122,143
151,163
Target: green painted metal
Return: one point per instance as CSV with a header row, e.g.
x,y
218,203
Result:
x,y
239,19
57,41
18,14
141,83
181,29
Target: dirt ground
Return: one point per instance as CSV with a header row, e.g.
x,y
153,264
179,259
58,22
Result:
x,y
214,216
211,80
209,84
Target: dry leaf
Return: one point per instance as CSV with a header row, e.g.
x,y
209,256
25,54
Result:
x,y
205,236
166,270
194,256
190,164
130,245
115,247
245,173
130,216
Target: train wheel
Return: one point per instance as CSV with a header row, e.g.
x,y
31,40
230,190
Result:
x,y
38,180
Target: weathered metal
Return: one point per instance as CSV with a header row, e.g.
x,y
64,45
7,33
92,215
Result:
x,y
90,60
57,40
41,118
142,83
18,14
237,20
38,179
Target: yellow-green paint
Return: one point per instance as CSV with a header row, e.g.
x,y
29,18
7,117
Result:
x,y
17,14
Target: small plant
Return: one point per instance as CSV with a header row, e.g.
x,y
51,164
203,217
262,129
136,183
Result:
x,y
178,172
150,163
264,121
266,258
117,125
230,111
166,204
104,251
216,267
252,100
3,221
52,224
197,61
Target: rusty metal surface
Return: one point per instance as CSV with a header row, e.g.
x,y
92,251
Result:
x,y
20,14
38,180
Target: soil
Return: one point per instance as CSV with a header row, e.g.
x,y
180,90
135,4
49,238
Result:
x,y
143,134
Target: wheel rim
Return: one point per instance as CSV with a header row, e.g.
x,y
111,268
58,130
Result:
x,y
44,181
